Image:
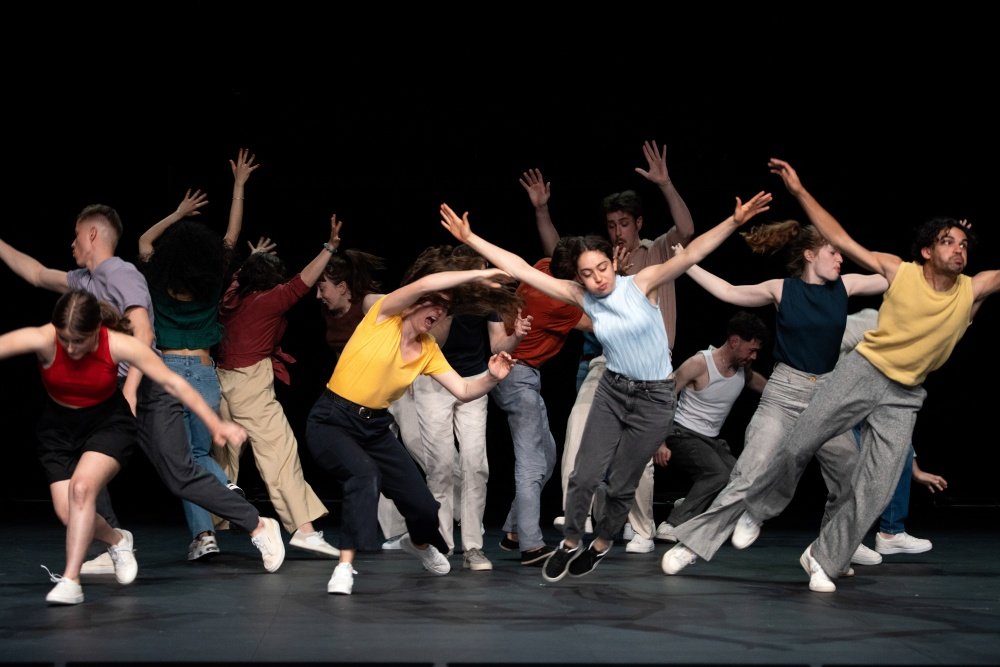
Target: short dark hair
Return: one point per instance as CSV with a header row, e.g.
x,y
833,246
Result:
x,y
627,201
927,235
747,326
108,214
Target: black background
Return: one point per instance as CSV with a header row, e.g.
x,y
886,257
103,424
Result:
x,y
380,116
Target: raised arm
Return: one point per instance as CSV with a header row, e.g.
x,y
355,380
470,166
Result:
x,y
242,168
657,173
563,290
984,284
747,296
32,271
400,299
189,206
832,231
314,270
653,276
539,191
128,349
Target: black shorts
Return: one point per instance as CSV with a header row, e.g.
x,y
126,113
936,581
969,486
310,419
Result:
x,y
64,434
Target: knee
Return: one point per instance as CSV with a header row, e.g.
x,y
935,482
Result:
x,y
81,491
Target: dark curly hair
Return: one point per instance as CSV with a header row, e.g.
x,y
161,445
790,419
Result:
x,y
475,298
928,233
747,326
189,258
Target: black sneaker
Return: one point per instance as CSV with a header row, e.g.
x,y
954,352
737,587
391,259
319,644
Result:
x,y
587,561
536,557
557,564
508,544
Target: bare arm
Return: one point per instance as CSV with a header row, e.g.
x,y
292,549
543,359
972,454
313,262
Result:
x,y
400,299
563,290
242,168
501,341
40,340
930,480
832,230
653,276
688,373
32,271
756,382
314,270
747,296
135,353
189,206
657,173
539,191
585,324
468,390
142,330
984,284
865,284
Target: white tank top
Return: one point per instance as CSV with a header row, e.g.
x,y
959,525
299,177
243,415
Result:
x,y
705,411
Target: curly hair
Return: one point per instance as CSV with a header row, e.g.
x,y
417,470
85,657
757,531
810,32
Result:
x,y
355,268
475,298
928,233
80,312
771,237
189,258
260,272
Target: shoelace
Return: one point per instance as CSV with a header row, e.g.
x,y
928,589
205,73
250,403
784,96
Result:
x,y
262,543
54,578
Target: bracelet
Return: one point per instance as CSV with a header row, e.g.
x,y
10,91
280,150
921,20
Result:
x,y
329,248
237,198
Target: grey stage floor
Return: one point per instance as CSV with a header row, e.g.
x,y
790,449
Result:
x,y
750,607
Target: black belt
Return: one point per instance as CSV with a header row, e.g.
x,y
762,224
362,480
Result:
x,y
360,410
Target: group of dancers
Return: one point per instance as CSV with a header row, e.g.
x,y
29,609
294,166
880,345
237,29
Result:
x,y
178,354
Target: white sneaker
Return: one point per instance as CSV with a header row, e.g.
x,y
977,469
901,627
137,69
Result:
x,y
392,544
99,565
865,556
432,559
314,542
818,581
269,543
665,531
65,592
677,558
588,527
559,522
123,557
342,580
475,560
746,532
901,543
627,532
639,545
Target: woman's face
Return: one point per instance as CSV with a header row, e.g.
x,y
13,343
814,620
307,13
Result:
x,y
596,272
335,296
77,345
826,262
428,311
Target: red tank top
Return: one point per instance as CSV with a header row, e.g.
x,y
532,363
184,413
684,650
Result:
x,y
84,382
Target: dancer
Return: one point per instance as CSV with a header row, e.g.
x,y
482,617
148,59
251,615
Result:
x,y
634,404
87,428
253,316
348,430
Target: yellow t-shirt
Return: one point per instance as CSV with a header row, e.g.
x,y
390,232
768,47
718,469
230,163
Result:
x,y
371,372
918,327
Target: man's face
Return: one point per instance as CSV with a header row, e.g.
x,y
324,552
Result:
x,y
83,242
950,252
745,351
623,229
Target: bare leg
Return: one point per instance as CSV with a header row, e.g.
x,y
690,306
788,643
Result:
x,y
79,498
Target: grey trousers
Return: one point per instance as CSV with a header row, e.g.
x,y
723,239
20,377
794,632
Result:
x,y
854,391
785,397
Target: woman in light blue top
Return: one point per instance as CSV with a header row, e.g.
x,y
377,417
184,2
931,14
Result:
x,y
634,405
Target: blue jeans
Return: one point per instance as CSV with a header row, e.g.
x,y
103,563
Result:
x,y
891,522
204,380
519,395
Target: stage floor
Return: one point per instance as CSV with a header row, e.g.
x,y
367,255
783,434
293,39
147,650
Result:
x,y
749,607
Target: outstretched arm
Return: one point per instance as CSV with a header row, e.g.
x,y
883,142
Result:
x,y
657,173
126,348
188,207
539,191
40,340
314,269
563,290
32,271
832,231
747,296
242,168
984,284
468,390
652,277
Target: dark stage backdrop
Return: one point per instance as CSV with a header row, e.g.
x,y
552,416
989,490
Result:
x,y
383,133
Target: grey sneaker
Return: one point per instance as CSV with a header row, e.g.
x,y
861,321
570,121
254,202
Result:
x,y
342,580
123,557
432,559
474,559
268,541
